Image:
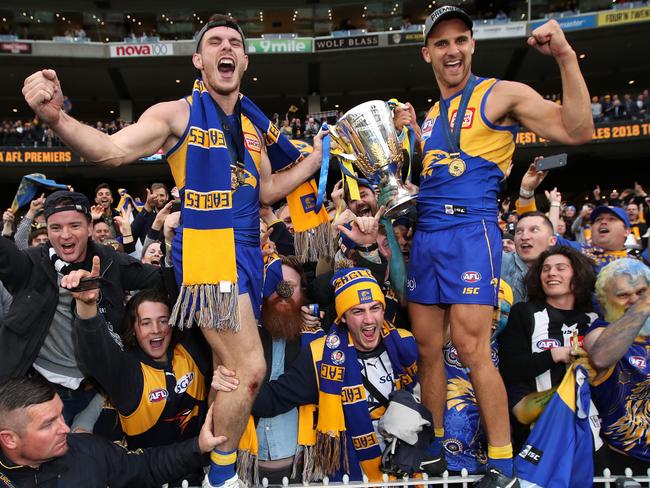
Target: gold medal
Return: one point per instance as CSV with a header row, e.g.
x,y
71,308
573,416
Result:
x,y
457,167
234,182
237,177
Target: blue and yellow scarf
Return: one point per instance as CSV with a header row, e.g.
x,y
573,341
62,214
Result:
x,y
209,267
343,415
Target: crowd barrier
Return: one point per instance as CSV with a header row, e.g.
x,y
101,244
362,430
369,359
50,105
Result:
x,y
607,480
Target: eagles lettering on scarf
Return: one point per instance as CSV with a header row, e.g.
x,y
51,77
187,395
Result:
x,y
212,200
206,138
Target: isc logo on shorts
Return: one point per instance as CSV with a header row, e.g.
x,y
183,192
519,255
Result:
x,y
471,276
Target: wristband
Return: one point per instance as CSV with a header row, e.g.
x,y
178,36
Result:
x,y
555,204
372,247
523,193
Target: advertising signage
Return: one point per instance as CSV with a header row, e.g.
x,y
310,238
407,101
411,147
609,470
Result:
x,y
280,46
334,43
142,50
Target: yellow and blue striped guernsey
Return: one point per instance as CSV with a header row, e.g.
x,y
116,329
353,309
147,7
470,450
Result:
x,y
485,148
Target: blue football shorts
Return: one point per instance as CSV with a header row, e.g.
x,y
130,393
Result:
x,y
456,265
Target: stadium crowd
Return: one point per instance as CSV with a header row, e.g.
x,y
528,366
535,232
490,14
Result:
x,y
112,333
115,357
31,133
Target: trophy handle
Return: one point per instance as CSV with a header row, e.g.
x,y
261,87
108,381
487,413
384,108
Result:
x,y
342,146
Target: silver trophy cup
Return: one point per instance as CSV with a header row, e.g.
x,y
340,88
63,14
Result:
x,y
366,136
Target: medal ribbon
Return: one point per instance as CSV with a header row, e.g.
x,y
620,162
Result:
x,y
453,138
324,169
234,138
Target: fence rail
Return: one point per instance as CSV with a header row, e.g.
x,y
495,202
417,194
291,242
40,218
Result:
x,y
607,480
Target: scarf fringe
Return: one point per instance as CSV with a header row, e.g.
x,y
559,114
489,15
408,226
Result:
x,y
211,308
327,454
313,244
307,464
248,468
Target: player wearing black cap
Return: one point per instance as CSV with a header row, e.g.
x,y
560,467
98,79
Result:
x,y
467,141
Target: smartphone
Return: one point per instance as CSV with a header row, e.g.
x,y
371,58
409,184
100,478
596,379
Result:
x,y
176,206
557,161
88,283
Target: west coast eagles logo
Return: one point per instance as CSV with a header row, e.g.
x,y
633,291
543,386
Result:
x,y
435,158
365,295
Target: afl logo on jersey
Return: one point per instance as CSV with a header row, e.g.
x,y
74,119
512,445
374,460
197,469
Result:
x,y
428,125
158,395
546,344
638,362
471,276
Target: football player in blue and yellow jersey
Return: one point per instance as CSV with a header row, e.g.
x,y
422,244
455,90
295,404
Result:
x,y
221,59
468,139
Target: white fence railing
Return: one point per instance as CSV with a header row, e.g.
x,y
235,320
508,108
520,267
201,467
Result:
x,y
607,480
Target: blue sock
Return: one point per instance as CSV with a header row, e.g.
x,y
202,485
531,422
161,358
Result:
x,y
435,448
222,466
501,458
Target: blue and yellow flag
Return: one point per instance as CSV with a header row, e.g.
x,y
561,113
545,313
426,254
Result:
x,y
559,450
29,187
127,200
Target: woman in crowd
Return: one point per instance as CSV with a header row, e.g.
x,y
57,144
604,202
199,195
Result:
x,y
157,383
540,337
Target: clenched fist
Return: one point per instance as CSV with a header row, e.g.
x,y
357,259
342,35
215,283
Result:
x,y
549,39
42,92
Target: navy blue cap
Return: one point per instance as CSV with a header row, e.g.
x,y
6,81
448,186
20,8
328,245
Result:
x,y
618,212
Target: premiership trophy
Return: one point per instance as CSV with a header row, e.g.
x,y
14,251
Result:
x,y
366,137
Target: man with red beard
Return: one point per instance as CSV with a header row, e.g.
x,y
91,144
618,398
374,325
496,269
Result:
x,y
282,323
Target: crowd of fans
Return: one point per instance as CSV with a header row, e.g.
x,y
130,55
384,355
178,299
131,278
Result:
x,y
30,133
107,351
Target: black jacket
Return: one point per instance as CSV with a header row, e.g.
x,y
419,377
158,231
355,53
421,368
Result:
x,y
142,223
30,277
94,462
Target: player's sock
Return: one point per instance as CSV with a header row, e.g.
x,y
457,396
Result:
x,y
435,448
501,458
222,466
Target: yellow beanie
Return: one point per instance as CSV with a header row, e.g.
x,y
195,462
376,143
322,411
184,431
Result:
x,y
354,286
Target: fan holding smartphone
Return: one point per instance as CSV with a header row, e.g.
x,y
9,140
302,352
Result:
x,y
551,162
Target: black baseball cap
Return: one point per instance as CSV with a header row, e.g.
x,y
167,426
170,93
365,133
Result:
x,y
445,13
77,201
219,23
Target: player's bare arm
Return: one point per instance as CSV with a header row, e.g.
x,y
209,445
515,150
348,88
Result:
x,y
569,123
159,126
275,186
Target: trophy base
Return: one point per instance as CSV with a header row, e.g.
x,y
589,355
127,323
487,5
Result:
x,y
400,207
